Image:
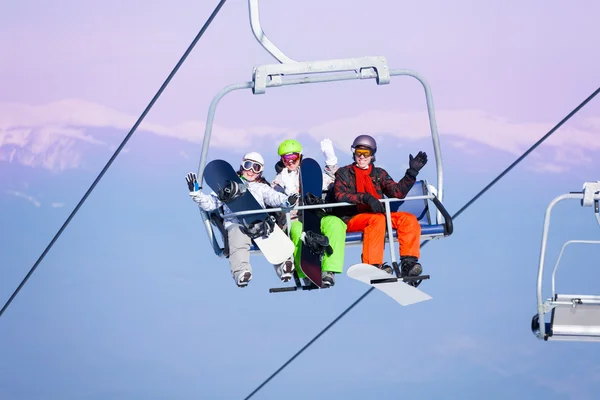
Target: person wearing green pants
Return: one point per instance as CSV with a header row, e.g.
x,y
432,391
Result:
x,y
288,182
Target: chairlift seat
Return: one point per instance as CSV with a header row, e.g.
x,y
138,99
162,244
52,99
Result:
x,y
577,322
573,317
419,208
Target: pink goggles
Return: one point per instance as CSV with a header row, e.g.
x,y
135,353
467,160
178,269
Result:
x,y
291,157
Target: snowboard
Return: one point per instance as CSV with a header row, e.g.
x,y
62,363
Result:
x,y
277,247
400,291
311,181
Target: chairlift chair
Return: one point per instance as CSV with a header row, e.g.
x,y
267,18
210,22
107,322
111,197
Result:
x,y
574,317
290,72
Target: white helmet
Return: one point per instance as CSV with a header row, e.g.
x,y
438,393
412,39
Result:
x,y
254,156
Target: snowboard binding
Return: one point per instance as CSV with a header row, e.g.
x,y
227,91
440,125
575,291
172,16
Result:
x,y
402,274
260,228
317,243
231,191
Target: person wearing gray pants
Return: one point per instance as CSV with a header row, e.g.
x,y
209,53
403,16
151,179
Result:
x,y
250,172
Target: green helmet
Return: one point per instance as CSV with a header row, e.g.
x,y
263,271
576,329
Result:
x,y
289,146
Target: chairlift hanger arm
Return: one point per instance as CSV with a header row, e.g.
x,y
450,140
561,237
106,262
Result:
x,y
262,38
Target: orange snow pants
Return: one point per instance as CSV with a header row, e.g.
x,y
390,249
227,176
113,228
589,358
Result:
x,y
373,226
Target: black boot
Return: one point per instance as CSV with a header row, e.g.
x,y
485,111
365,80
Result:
x,y
385,267
410,266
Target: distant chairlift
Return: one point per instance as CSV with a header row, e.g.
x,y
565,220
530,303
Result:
x,y
573,317
290,72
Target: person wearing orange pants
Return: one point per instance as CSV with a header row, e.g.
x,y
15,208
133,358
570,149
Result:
x,y
363,184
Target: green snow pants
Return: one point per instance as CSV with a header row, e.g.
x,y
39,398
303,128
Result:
x,y
335,229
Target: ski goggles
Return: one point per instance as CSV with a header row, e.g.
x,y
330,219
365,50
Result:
x,y
363,152
291,157
252,165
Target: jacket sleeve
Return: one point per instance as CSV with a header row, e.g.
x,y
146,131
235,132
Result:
x,y
272,197
398,190
277,184
329,176
207,202
343,192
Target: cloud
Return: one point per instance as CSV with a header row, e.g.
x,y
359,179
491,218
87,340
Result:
x,y
27,197
57,205
51,135
462,127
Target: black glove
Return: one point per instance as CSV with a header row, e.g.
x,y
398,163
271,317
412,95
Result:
x,y
311,199
375,204
231,191
293,199
192,182
416,163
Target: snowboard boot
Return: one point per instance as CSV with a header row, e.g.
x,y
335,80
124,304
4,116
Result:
x,y
308,283
410,266
285,270
384,267
328,279
243,278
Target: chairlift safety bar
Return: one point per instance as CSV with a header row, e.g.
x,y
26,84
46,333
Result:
x,y
324,205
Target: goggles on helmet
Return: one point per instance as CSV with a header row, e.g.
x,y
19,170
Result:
x,y
290,157
252,165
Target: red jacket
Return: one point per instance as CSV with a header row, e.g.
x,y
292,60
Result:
x,y
344,189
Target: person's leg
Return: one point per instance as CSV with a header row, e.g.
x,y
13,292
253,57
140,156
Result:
x,y
296,235
335,230
373,227
239,255
409,238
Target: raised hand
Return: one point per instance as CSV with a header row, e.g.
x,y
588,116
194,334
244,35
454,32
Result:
x,y
416,163
328,152
192,182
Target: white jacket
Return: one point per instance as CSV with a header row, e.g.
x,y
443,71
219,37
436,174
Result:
x,y
288,182
263,193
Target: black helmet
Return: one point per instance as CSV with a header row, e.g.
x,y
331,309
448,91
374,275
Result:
x,y
366,141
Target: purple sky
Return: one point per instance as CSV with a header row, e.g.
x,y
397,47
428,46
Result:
x,y
502,74
502,78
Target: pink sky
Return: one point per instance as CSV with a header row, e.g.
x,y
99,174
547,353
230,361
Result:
x,y
512,68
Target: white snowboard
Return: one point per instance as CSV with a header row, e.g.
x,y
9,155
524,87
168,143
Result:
x,y
403,293
277,247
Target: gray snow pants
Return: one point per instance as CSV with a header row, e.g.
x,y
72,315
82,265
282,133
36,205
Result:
x,y
239,250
